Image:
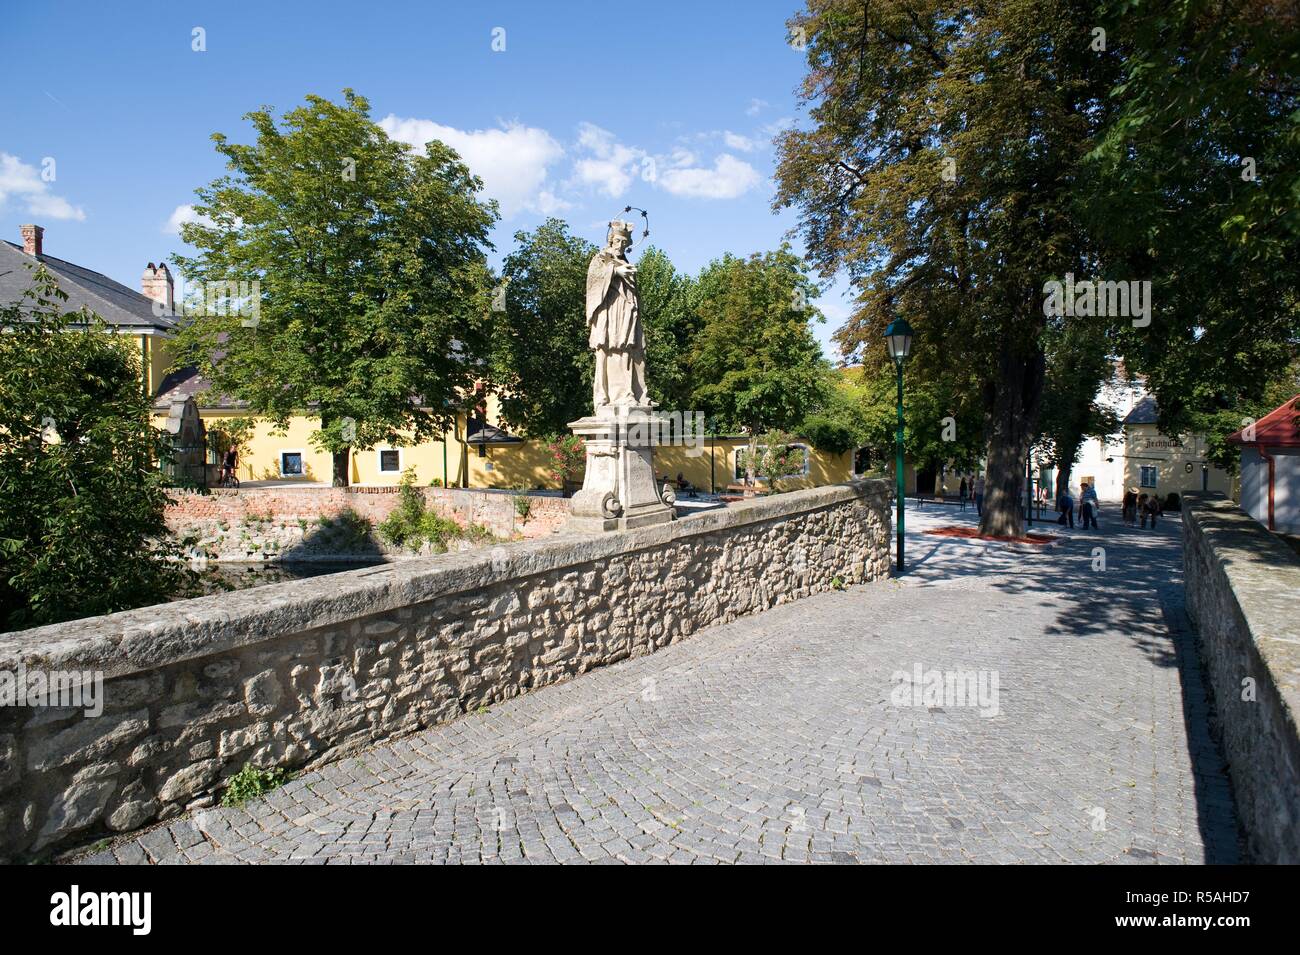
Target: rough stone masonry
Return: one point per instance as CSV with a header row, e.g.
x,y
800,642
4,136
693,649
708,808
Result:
x,y
301,673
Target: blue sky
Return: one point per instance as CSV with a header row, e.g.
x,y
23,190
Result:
x,y
670,107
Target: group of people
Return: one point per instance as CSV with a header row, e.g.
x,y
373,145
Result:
x,y
1088,505
1134,506
1144,506
972,486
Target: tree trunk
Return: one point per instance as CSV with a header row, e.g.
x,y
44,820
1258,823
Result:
x,y
1064,469
341,461
1012,402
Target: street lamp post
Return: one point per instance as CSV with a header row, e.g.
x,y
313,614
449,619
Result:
x,y
898,339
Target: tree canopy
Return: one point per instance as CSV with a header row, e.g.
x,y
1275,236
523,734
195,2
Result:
x,y
81,497
371,308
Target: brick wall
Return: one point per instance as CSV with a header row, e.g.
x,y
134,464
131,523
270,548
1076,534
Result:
x,y
268,523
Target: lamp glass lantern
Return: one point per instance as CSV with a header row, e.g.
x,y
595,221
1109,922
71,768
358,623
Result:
x,y
898,339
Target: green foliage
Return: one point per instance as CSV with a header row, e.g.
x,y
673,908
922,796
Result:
x,y
252,783
568,454
523,506
540,361
1078,363
937,172
1209,95
373,280
772,456
412,524
755,363
671,321
81,498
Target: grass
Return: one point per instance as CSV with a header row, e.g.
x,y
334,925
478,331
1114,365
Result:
x,y
252,783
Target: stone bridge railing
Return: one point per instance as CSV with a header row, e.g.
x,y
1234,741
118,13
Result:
x,y
299,673
1243,595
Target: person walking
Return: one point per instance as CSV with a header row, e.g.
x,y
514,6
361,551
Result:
x,y
1149,506
1065,504
979,495
1088,506
1130,507
962,492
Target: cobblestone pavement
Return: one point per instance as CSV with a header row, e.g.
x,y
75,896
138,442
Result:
x,y
779,738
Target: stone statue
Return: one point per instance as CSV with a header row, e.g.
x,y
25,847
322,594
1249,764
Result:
x,y
614,324
618,489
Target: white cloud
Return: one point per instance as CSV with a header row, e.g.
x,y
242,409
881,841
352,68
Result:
x,y
24,183
736,141
779,125
513,161
756,106
611,166
181,215
730,177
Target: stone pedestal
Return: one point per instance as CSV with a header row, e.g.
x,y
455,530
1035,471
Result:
x,y
619,491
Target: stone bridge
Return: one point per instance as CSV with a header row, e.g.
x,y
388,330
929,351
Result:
x,y
793,736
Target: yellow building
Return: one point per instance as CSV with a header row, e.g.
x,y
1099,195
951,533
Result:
x,y
477,453
1156,463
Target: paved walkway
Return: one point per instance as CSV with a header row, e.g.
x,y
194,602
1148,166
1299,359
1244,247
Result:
x,y
781,737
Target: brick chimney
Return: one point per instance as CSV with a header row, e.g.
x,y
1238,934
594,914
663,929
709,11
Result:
x,y
156,283
33,236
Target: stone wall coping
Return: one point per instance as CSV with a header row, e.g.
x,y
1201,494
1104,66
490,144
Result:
x,y
1264,574
132,641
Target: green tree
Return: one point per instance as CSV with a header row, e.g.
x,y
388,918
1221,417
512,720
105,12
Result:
x,y
1078,363
81,498
754,361
937,173
671,321
541,365
1195,186
372,304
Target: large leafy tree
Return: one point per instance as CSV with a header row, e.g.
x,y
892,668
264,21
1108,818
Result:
x,y
541,366
755,363
81,498
1195,186
944,142
667,308
372,304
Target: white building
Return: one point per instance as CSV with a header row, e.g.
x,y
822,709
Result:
x,y
1270,468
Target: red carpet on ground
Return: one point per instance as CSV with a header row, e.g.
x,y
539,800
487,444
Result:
x,y
954,530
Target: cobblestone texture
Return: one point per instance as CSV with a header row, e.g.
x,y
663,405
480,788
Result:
x,y
774,738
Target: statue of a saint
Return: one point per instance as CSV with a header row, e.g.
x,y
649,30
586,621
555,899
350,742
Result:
x,y
614,323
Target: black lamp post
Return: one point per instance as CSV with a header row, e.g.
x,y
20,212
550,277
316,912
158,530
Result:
x,y
898,339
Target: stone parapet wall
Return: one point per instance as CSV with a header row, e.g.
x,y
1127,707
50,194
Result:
x,y
1243,595
300,523
295,674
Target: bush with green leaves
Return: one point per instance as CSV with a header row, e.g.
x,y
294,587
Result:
x,y
82,501
411,524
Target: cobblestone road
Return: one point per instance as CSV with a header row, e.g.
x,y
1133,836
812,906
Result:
x,y
778,738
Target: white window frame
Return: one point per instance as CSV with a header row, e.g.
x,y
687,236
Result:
x,y
379,461
739,475
1142,471
279,461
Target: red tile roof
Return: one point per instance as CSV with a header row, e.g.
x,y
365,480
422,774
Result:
x,y
1280,428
